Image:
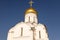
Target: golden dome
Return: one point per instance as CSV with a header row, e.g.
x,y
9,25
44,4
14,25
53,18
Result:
x,y
30,10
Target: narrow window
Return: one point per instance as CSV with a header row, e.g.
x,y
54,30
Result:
x,y
21,31
39,34
29,18
34,20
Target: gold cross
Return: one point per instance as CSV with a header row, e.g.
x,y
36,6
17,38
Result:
x,y
31,2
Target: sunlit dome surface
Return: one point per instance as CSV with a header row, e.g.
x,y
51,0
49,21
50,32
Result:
x,y
30,10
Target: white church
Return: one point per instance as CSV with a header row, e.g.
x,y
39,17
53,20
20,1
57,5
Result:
x,y
30,29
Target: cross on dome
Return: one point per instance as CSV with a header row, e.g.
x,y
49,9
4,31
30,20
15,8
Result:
x,y
31,2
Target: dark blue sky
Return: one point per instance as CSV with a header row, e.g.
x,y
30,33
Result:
x,y
12,12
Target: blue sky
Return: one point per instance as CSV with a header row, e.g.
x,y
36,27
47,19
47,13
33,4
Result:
x,y
12,12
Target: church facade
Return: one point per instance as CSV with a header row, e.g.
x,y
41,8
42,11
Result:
x,y
30,29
